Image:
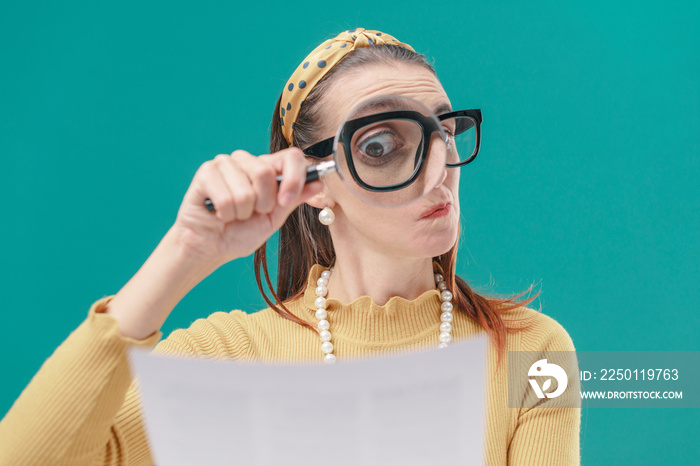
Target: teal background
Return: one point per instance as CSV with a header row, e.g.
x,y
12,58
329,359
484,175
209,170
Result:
x,y
586,184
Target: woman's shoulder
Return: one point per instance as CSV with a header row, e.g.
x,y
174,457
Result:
x,y
220,334
224,333
533,330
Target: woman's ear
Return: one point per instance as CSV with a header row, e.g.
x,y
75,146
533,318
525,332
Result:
x,y
320,200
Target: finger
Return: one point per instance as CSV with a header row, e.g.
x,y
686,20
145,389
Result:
x,y
239,184
217,191
292,164
262,175
280,213
310,189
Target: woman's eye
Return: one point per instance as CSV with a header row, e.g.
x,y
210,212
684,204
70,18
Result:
x,y
450,138
378,145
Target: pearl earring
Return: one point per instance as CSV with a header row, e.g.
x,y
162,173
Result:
x,y
326,216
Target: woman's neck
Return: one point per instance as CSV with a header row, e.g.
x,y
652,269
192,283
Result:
x,y
379,277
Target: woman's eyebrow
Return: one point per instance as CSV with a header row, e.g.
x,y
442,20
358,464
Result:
x,y
442,108
389,103
394,103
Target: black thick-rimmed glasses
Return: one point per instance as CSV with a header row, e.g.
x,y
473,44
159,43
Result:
x,y
465,120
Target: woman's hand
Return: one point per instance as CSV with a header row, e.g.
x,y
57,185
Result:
x,y
250,206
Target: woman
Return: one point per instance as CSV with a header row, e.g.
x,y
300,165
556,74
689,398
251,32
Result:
x,y
82,407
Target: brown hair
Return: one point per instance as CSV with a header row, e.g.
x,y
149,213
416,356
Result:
x,y
303,240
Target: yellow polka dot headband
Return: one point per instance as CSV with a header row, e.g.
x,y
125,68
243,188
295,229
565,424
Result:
x,y
317,64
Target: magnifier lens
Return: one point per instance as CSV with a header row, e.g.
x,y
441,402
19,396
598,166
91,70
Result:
x,y
390,151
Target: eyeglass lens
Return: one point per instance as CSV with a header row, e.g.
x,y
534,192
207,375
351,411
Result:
x,y
461,138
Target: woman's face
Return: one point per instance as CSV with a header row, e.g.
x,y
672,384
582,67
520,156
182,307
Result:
x,y
397,230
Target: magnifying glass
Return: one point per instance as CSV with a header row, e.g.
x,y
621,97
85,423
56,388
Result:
x,y
389,151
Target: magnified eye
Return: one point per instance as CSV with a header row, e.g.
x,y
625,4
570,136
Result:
x,y
388,144
378,145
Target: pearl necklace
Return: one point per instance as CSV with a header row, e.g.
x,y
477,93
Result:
x,y
324,325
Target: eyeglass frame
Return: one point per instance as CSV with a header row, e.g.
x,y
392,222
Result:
x,y
324,148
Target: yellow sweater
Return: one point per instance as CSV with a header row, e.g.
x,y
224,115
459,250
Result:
x,y
82,407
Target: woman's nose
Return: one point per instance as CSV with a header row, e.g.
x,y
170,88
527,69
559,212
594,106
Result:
x,y
442,178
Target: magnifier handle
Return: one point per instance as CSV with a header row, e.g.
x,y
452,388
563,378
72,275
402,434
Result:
x,y
312,173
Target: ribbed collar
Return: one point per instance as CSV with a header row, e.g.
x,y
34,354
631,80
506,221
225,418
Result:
x,y
399,321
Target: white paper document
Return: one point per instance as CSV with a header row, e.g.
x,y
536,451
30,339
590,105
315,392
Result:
x,y
418,408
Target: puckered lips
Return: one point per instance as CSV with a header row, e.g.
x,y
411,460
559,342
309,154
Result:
x,y
438,210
